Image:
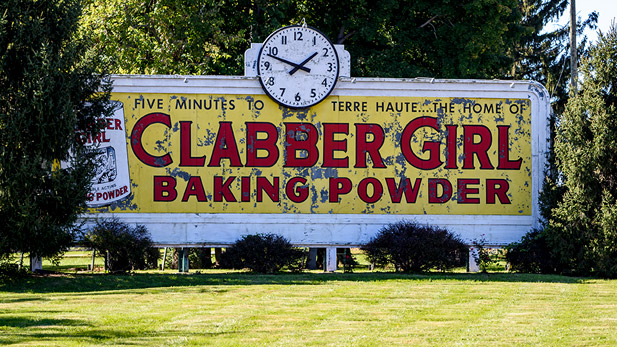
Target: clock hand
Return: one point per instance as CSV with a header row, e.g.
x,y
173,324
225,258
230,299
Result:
x,y
296,66
301,65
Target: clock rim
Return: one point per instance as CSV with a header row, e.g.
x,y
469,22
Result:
x,y
261,82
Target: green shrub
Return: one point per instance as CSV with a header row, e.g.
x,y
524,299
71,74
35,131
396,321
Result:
x,y
482,256
532,254
412,247
125,248
200,258
264,253
10,272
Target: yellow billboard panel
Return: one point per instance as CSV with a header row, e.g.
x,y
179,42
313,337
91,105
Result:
x,y
196,153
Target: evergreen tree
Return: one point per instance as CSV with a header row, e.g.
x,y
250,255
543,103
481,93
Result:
x,y
583,232
48,92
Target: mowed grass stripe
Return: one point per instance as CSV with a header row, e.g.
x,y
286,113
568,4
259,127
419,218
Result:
x,y
362,309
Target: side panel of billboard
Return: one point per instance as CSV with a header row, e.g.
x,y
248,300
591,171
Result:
x,y
213,158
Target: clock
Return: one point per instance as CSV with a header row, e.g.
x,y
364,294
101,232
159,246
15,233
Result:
x,y
297,66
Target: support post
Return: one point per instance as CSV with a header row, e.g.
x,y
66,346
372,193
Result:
x,y
183,260
472,265
311,263
207,258
164,259
573,52
331,261
218,251
36,263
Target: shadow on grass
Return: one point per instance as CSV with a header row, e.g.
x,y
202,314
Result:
x,y
27,322
79,283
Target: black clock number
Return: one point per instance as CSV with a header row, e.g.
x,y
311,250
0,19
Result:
x,y
282,91
298,98
267,65
314,40
270,81
313,94
325,52
273,50
325,82
284,40
298,36
330,65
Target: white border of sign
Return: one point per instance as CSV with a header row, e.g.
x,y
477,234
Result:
x,y
190,229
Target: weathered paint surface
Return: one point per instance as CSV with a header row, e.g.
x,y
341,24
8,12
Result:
x,y
369,155
371,135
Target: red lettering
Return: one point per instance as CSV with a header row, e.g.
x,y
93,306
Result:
x,y
480,149
371,148
464,189
165,188
301,137
411,191
196,188
297,192
504,150
225,147
331,145
433,194
185,147
339,186
451,147
429,146
363,190
499,188
118,124
136,137
222,191
254,144
271,189
245,187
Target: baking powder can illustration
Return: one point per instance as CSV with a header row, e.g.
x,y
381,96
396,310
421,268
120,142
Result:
x,y
111,181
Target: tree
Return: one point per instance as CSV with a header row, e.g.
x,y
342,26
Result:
x,y
48,91
394,38
541,54
583,231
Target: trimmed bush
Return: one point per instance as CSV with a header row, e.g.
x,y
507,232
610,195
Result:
x,y
264,253
125,248
412,247
532,254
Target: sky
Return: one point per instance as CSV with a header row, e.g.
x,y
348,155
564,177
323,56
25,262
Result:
x,y
607,11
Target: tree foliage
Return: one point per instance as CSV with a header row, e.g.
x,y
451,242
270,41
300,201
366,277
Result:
x,y
583,230
48,91
393,38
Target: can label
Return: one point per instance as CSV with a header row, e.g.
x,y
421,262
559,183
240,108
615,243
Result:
x,y
111,181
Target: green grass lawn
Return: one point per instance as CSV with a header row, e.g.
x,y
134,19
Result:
x,y
217,307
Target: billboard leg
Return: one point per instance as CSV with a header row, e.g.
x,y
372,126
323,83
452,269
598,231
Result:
x,y
311,262
331,261
218,252
183,259
472,265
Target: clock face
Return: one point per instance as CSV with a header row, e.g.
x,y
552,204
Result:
x,y
298,66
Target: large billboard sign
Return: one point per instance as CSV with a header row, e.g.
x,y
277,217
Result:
x,y
214,158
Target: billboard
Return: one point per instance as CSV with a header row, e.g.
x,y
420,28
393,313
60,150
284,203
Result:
x,y
213,158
